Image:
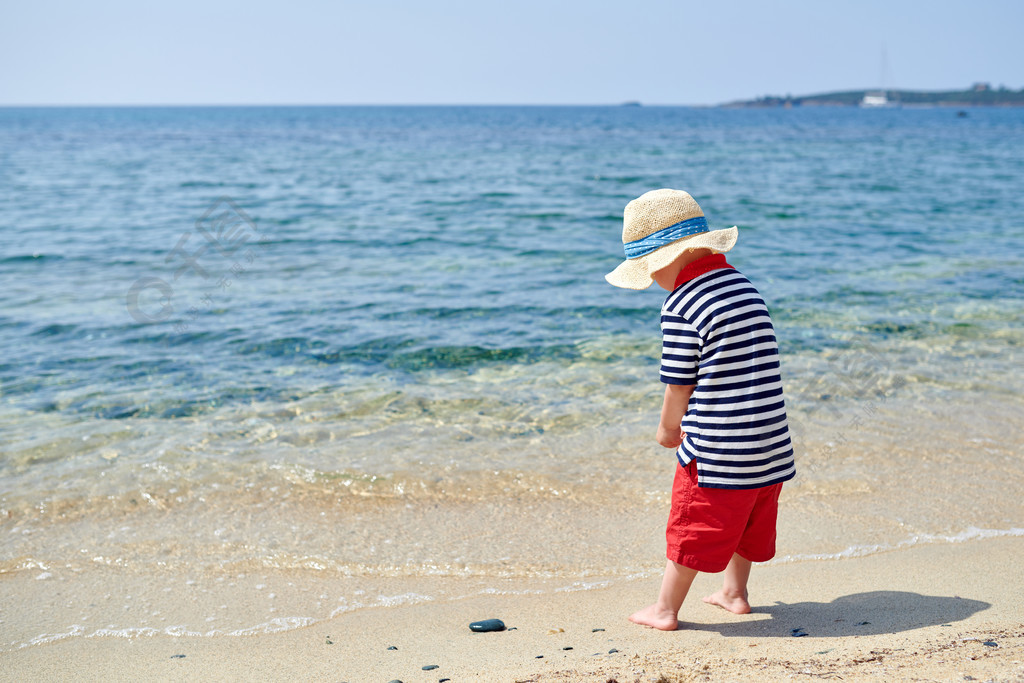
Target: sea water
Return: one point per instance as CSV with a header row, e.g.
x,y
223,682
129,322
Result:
x,y
264,365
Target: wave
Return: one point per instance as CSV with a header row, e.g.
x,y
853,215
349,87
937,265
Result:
x,y
969,534
275,625
383,600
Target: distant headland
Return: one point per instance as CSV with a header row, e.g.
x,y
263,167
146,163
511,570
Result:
x,y
978,95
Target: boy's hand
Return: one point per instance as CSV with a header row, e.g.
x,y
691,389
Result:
x,y
670,438
677,396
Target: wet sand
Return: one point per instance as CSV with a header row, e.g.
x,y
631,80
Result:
x,y
930,612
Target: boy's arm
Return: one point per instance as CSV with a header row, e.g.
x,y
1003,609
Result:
x,y
677,397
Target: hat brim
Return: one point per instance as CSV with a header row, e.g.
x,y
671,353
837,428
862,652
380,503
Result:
x,y
636,273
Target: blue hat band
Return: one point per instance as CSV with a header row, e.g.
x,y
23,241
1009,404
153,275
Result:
x,y
656,240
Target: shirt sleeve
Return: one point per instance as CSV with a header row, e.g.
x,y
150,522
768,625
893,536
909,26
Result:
x,y
680,350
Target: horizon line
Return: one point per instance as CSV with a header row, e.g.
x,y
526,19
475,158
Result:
x,y
622,103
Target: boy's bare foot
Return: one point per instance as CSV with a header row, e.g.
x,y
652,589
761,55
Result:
x,y
655,617
737,604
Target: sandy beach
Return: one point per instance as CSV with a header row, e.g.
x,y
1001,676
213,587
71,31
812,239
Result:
x,y
946,612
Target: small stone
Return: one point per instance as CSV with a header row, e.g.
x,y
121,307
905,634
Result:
x,y
395,681
177,656
487,625
798,633
595,630
431,667
392,647
443,680
612,651
539,657
566,648
864,623
990,643
553,631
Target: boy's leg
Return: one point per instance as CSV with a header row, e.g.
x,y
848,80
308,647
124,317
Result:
x,y
665,612
733,595
758,542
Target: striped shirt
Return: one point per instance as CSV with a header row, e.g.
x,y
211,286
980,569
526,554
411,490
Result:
x,y
717,335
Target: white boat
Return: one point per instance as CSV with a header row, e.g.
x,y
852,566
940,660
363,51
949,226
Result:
x,y
875,99
878,99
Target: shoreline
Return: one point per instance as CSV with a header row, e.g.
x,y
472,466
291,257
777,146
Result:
x,y
929,607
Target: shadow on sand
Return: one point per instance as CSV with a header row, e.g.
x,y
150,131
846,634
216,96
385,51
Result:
x,y
860,614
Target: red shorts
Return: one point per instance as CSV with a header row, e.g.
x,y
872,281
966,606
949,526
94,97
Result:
x,y
706,526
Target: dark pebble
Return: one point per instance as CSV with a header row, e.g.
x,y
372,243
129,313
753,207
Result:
x,y
395,681
991,643
431,667
798,633
864,623
487,625
177,656
566,648
443,680
612,651
539,657
392,647
596,630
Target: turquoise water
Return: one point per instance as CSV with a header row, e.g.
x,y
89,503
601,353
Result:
x,y
419,316
411,247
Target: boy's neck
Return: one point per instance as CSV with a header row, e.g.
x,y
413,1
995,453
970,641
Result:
x,y
667,276
700,266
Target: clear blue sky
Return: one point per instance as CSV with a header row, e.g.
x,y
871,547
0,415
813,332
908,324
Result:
x,y
479,52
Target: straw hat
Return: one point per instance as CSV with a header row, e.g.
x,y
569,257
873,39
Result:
x,y
657,227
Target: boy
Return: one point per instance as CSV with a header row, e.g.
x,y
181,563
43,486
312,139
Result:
x,y
723,411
